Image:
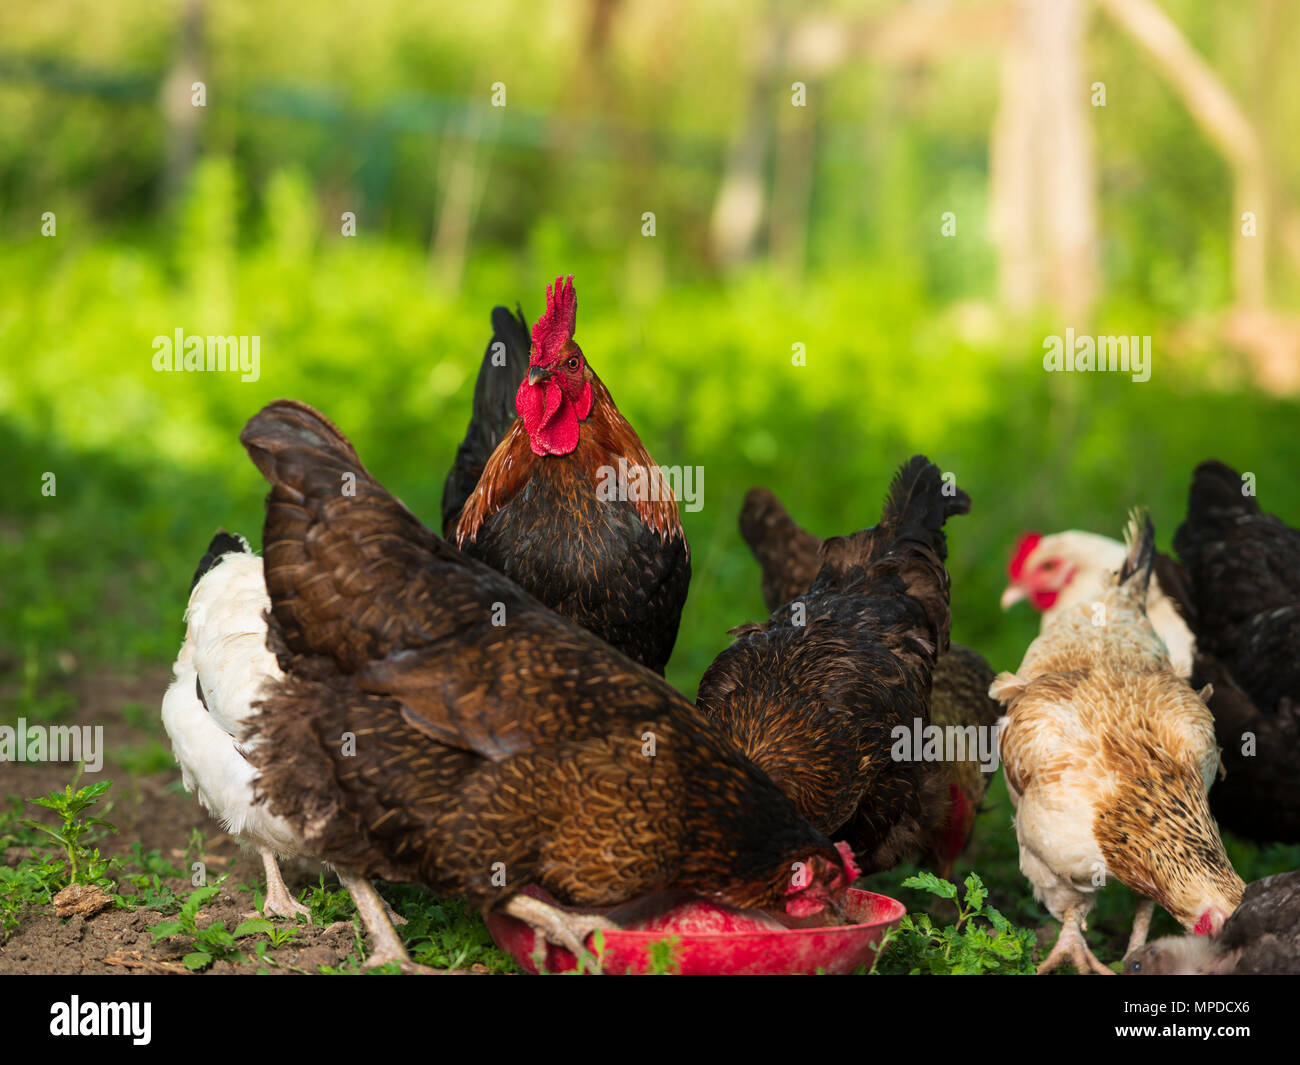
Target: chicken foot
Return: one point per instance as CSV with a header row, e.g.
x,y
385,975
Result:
x,y
279,900
1146,909
1072,947
568,930
386,945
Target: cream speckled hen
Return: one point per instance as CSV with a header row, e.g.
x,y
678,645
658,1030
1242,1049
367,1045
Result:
x,y
1108,757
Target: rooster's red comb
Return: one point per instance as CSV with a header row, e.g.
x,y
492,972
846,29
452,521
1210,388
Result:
x,y
554,329
1024,549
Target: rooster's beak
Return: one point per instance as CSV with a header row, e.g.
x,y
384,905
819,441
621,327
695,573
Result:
x,y
538,373
1012,596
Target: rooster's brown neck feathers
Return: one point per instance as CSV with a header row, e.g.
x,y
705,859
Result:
x,y
605,437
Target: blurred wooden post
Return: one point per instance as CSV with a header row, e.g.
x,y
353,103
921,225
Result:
x,y
180,115
464,182
1011,175
792,185
1042,183
1223,121
741,205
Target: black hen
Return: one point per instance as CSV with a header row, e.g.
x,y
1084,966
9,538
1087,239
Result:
x,y
1243,569
1238,589
813,695
1261,937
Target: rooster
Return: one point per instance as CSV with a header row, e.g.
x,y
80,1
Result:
x,y
1057,572
569,504
790,558
1108,757
815,695
220,669
1238,587
410,738
1262,936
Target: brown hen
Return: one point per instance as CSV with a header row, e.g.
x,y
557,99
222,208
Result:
x,y
437,725
790,557
816,695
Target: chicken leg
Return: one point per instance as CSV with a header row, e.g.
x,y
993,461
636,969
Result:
x,y
1072,947
569,930
385,943
279,901
1146,908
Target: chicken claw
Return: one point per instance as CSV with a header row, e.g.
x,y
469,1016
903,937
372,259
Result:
x,y
386,945
568,930
279,901
1072,947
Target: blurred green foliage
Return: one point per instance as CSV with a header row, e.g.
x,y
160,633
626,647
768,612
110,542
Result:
x,y
148,464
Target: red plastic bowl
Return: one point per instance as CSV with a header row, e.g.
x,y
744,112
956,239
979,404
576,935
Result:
x,y
834,949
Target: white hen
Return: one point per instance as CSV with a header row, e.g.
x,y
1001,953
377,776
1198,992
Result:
x,y
219,672
1059,571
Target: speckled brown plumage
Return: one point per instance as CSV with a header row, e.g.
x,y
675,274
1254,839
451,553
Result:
x,y
618,567
1238,589
816,704
790,557
477,744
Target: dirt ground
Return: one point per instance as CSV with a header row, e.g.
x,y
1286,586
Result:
x,y
145,807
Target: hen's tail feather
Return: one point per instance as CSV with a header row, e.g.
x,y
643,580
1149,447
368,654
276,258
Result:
x,y
1140,537
788,554
333,534
294,446
222,543
911,524
1214,502
1216,489
905,553
919,495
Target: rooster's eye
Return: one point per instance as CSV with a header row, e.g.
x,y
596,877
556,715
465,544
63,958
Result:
x,y
572,364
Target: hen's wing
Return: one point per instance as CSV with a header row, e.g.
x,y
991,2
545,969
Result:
x,y
504,365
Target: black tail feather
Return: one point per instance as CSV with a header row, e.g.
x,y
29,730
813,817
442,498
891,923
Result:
x,y
505,362
921,495
1217,488
223,543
